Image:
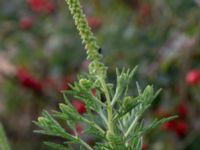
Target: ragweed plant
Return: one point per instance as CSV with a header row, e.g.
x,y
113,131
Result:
x,y
116,122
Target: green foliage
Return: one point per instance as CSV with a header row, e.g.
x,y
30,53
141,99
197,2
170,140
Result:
x,y
117,122
3,140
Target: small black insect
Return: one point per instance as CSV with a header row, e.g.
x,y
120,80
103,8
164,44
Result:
x,y
100,51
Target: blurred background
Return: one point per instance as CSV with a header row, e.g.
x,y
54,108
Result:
x,y
41,53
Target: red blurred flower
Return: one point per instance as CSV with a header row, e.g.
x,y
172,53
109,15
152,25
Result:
x,y
182,110
193,77
181,128
39,6
26,23
171,125
79,106
28,81
94,22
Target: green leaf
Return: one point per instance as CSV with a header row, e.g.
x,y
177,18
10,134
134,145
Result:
x,y
51,127
128,104
157,123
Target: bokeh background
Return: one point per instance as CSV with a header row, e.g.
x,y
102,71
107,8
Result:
x,y
41,53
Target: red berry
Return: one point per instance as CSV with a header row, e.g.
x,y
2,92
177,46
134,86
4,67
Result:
x,y
181,128
79,106
182,110
26,23
193,77
94,22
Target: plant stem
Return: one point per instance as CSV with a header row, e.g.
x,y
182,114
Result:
x,y
109,108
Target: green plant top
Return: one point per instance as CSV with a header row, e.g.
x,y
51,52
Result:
x,y
116,123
